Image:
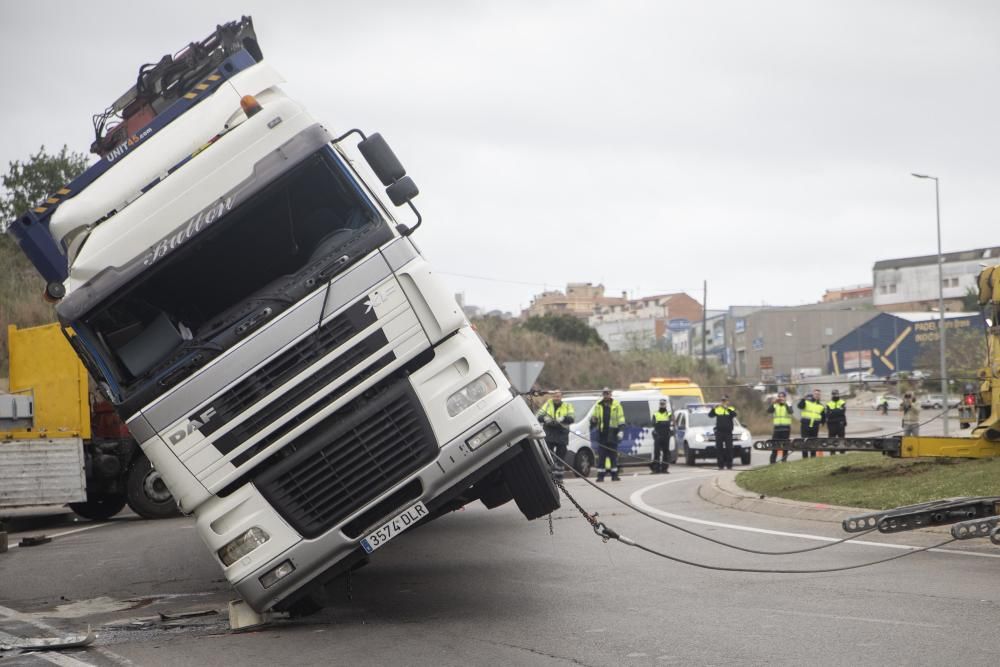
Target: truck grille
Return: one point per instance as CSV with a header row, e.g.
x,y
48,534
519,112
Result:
x,y
286,365
349,459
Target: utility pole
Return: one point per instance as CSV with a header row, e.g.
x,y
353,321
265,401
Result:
x,y
940,263
704,319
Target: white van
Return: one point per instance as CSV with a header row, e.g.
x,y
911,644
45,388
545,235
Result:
x,y
636,448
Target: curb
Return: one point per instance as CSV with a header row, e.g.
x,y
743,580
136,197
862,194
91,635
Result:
x,y
723,490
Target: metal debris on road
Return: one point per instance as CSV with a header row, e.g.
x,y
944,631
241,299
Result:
x,y
34,540
49,643
187,614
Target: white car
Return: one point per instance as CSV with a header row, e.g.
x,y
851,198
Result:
x,y
636,448
695,435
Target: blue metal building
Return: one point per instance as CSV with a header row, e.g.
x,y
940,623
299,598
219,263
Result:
x,y
891,342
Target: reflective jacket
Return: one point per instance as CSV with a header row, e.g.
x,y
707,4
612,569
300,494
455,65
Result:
x,y
782,413
724,418
555,420
616,416
812,411
836,412
563,414
661,423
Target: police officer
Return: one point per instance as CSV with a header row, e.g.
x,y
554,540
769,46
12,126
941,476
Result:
x,y
662,426
836,416
608,418
555,417
782,418
812,416
724,415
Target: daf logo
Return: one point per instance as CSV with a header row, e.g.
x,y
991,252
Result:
x,y
192,426
378,298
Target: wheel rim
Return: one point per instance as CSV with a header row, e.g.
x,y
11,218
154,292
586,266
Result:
x,y
583,464
154,487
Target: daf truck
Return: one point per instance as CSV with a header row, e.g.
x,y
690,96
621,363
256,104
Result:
x,y
286,358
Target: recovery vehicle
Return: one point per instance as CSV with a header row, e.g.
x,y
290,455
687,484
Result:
x,y
59,445
972,517
277,345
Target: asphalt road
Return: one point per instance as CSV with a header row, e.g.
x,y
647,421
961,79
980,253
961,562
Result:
x,y
482,587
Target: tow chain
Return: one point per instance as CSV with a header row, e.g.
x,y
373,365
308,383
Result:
x,y
599,528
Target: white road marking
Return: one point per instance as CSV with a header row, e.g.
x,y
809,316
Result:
x,y
71,532
636,499
7,612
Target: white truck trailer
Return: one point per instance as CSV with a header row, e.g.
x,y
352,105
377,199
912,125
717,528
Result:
x,y
277,345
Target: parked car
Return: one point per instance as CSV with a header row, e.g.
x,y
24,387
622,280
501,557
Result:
x,y
895,402
864,377
936,401
695,435
636,448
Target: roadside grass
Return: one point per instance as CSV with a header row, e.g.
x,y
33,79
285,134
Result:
x,y
860,479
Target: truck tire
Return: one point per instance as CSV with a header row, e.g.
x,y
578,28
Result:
x,y
745,457
673,452
99,508
529,479
583,462
147,495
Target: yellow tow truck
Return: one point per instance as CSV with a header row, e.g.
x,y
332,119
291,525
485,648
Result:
x,y
60,445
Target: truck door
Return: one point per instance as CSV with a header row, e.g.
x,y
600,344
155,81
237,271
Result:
x,y
638,441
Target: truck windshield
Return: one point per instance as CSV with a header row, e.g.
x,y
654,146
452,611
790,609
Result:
x,y
256,260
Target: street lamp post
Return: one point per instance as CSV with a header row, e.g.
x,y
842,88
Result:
x,y
940,259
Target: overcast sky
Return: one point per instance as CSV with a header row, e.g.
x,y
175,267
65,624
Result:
x,y
763,146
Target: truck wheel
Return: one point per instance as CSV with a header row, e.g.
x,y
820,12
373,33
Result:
x,y
745,457
529,479
99,508
583,462
147,495
689,457
673,452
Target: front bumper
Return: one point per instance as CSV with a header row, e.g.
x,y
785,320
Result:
x,y
222,519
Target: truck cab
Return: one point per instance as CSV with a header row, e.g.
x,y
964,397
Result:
x,y
278,346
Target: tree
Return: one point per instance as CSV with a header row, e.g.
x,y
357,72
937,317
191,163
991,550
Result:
x,y
964,354
25,185
970,302
566,328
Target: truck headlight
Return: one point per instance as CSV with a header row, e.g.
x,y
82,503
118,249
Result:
x,y
744,436
468,395
242,545
483,436
699,437
275,575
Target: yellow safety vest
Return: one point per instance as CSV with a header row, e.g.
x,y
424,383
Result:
x,y
813,411
781,416
558,413
662,416
836,405
617,417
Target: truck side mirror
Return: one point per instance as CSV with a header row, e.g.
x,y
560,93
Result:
x,y
398,186
381,159
402,191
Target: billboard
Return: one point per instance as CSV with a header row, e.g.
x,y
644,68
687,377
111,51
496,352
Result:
x,y
857,359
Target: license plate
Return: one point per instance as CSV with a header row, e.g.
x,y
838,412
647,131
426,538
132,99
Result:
x,y
393,527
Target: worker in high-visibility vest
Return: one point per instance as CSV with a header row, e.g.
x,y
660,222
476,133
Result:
x,y
812,413
556,417
781,413
725,418
836,416
608,418
662,427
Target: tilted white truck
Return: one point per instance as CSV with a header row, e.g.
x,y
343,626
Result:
x,y
277,345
